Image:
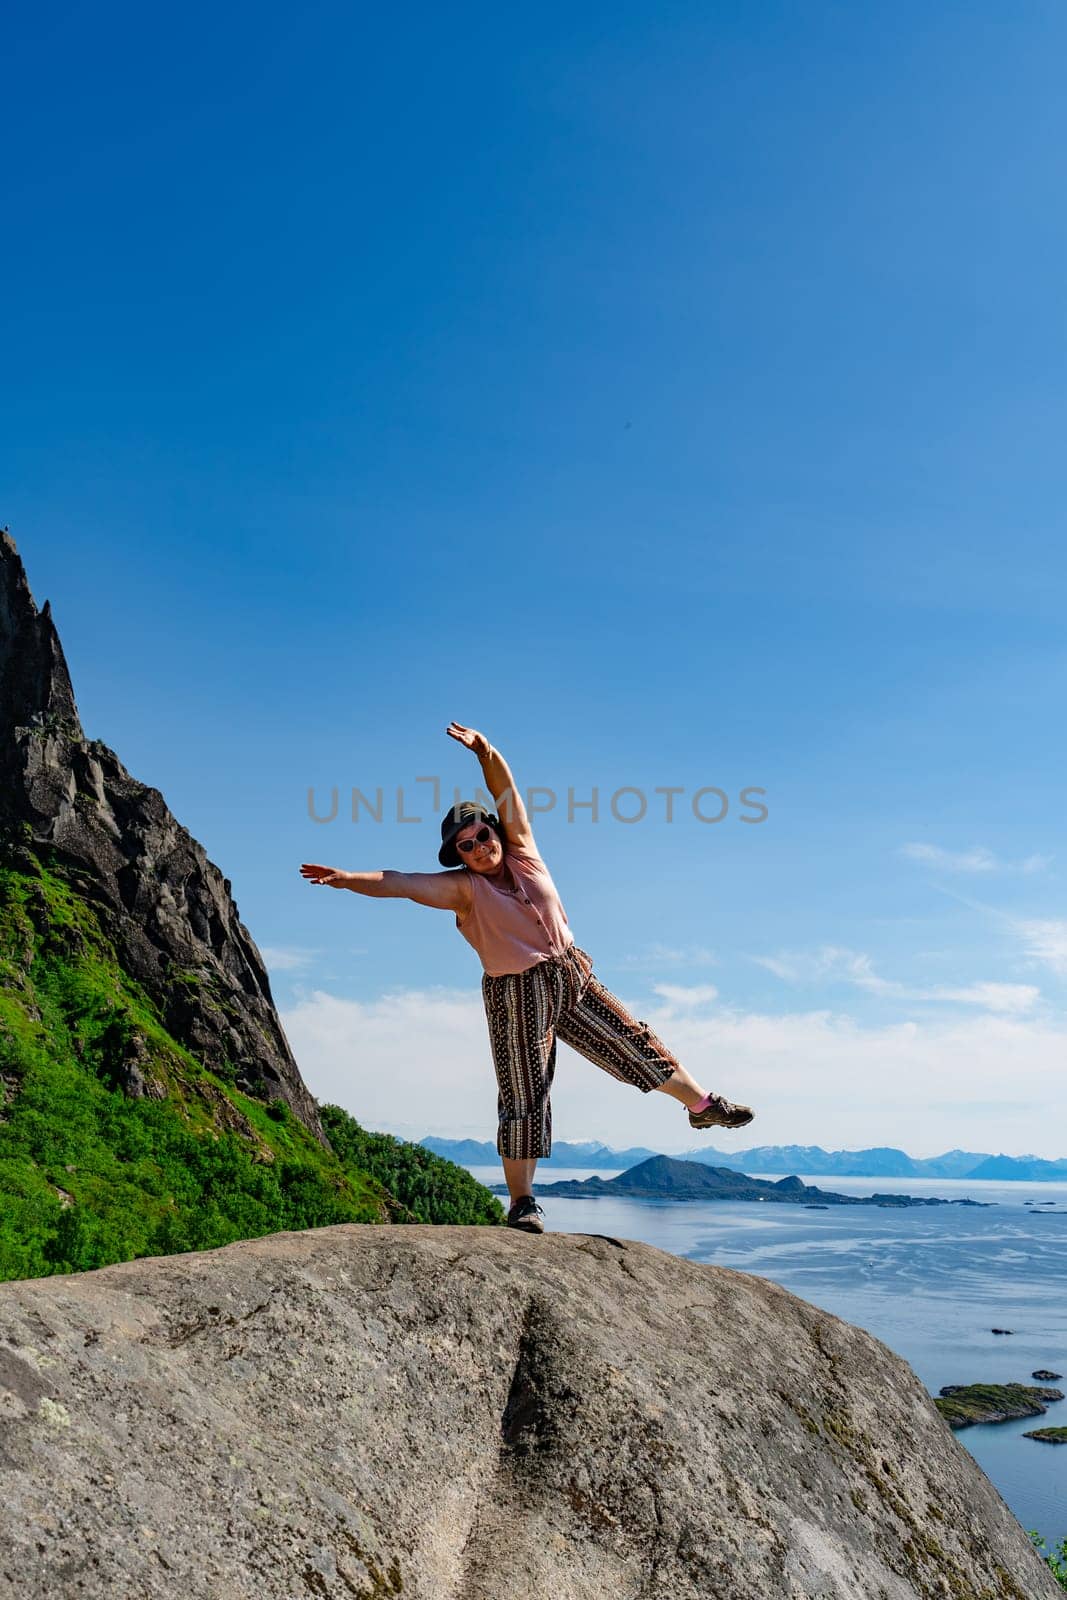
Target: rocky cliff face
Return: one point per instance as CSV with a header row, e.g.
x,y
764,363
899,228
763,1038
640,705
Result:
x,y
453,1413
165,907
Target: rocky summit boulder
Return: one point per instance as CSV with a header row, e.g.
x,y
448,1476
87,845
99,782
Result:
x,y
456,1413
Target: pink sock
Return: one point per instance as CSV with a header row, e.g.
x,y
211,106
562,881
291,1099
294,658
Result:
x,y
702,1105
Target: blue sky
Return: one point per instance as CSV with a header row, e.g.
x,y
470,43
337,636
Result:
x,y
678,398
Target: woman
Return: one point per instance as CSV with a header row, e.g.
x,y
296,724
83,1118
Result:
x,y
537,985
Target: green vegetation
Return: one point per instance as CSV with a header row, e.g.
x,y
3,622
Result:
x,y
1050,1435
1055,1560
90,1176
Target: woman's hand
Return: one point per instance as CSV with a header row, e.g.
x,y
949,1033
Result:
x,y
333,877
470,737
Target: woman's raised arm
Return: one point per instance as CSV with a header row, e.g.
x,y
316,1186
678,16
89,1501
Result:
x,y
500,783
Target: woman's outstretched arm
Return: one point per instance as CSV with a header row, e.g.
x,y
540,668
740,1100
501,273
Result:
x,y
449,891
500,783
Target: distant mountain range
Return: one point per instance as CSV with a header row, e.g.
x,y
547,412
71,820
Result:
x,y
878,1162
665,1178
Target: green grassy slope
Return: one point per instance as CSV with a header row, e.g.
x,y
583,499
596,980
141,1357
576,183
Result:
x,y
89,1175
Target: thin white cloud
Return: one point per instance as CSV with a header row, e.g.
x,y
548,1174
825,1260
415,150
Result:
x,y
832,962
678,995
781,969
654,955
1044,940
977,859
857,968
289,959
277,958
829,962
1006,997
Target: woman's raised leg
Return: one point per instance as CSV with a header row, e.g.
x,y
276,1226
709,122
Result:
x,y
680,1086
599,1027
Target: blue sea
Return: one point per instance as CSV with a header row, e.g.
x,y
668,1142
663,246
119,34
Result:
x,y
930,1282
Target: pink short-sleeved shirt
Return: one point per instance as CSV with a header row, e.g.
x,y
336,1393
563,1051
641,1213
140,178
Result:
x,y
513,931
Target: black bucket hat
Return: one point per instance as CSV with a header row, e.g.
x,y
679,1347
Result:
x,y
456,818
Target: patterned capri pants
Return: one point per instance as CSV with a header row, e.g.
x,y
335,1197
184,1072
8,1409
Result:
x,y
559,999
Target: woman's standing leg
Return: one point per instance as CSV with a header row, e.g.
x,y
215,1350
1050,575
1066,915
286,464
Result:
x,y
521,1010
519,1176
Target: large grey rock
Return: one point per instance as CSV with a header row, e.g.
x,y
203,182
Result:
x,y
167,910
455,1413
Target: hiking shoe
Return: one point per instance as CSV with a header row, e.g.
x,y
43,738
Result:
x,y
524,1215
720,1113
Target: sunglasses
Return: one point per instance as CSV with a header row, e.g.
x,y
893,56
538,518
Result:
x,y
467,845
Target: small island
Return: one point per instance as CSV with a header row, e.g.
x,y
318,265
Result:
x,y
1048,1435
962,1404
1045,1375
666,1178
